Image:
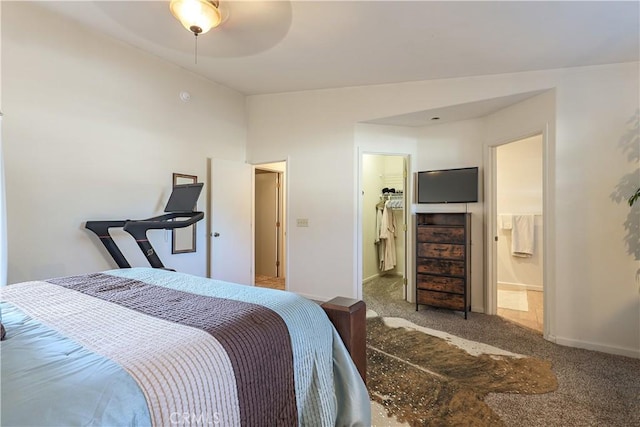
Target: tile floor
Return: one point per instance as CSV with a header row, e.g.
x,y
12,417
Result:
x,y
533,318
270,282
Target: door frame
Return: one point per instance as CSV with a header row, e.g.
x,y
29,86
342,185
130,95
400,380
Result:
x,y
409,289
548,234
275,230
284,198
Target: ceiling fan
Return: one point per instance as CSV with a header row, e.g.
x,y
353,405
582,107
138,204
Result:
x,y
245,28
197,16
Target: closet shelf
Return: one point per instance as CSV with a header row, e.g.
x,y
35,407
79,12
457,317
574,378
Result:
x,y
393,200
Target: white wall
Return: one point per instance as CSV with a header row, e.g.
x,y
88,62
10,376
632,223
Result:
x,y
519,191
591,109
598,300
93,129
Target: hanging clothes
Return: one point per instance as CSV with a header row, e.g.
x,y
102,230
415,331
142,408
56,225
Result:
x,y
386,237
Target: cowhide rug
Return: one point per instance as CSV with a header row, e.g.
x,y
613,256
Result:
x,y
424,377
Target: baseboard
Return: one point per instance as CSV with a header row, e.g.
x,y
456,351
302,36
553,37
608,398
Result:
x,y
603,348
477,309
520,286
370,278
377,276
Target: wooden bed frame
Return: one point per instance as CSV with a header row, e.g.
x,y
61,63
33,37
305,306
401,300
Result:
x,y
348,316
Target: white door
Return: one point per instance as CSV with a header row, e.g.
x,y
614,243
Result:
x,y
230,209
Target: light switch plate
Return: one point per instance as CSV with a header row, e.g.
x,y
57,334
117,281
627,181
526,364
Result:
x,y
302,222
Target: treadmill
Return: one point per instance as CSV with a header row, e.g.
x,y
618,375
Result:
x,y
180,212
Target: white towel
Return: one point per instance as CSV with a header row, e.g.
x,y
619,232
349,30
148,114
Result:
x,y
522,236
506,221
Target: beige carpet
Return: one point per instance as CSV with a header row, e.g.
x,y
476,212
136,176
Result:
x,y
513,300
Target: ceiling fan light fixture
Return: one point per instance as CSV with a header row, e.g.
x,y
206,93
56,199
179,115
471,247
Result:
x,y
197,16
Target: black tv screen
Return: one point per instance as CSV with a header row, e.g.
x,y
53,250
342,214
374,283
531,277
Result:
x,y
448,186
184,197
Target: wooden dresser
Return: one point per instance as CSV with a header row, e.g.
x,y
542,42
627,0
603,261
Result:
x,y
443,260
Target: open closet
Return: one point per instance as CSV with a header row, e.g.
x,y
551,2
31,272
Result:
x,y
384,221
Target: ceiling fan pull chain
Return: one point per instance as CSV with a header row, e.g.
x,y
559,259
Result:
x,y
196,53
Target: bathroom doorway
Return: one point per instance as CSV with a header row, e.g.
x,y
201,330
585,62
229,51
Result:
x,y
520,224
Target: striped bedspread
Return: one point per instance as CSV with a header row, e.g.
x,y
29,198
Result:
x,y
192,351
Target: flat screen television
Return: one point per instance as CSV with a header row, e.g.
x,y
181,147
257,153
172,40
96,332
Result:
x,y
184,197
448,186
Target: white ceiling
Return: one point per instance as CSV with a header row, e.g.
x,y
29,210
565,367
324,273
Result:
x,y
454,113
279,46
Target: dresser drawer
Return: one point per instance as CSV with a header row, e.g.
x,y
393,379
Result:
x,y
441,250
435,234
453,285
441,299
440,266
442,219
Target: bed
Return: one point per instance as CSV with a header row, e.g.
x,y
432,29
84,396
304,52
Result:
x,y
141,346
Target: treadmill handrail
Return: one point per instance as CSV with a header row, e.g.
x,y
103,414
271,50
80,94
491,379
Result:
x,y
163,222
138,230
101,229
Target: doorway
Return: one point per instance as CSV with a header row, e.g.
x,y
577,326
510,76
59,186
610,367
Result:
x,y
384,226
269,223
519,233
